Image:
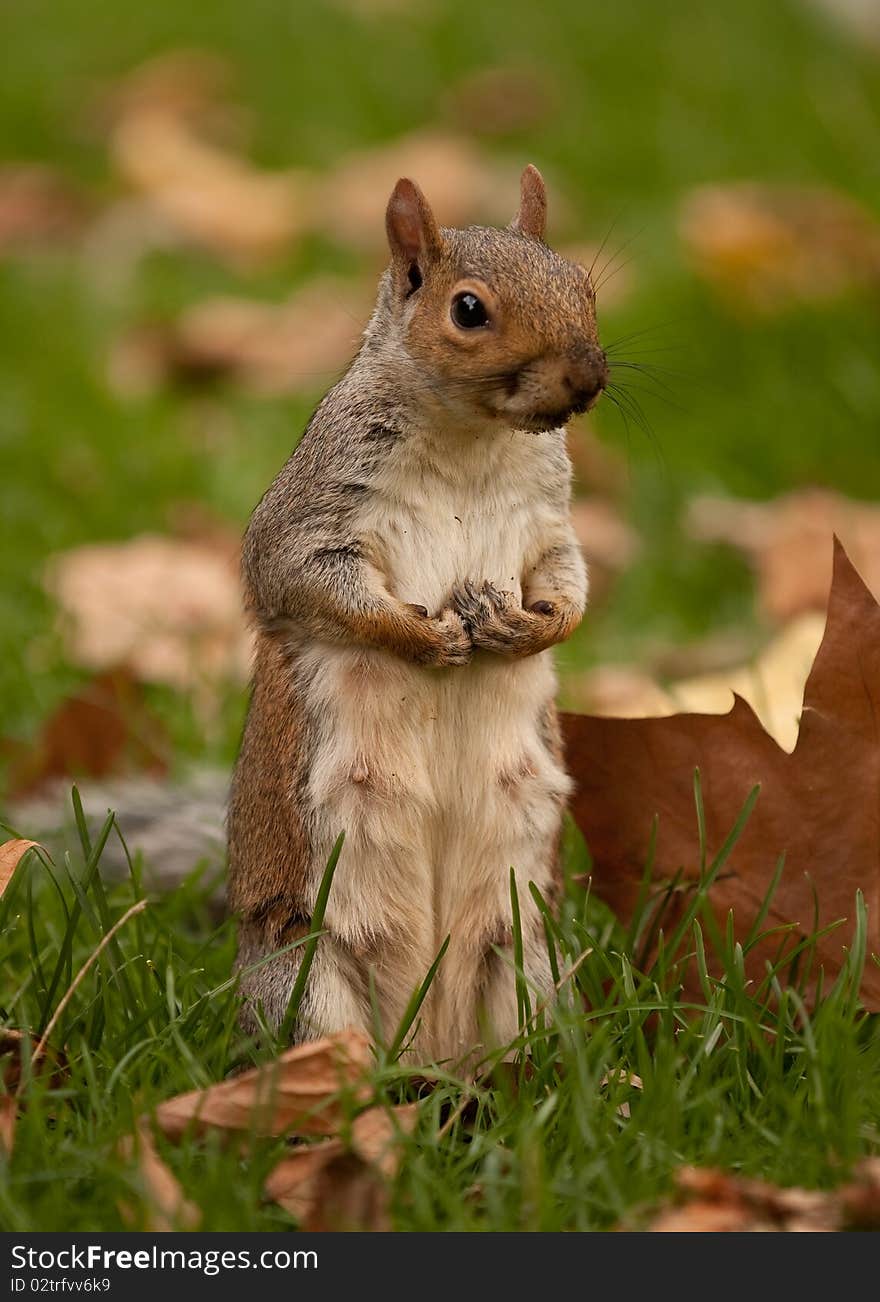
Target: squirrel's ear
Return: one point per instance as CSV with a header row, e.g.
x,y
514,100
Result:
x,y
532,216
412,229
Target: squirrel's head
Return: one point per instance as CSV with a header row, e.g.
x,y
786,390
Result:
x,y
494,322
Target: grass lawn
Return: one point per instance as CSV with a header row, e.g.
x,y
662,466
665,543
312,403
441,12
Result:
x,y
736,1076
649,101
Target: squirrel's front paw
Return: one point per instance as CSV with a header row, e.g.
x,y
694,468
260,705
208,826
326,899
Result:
x,y
497,622
446,640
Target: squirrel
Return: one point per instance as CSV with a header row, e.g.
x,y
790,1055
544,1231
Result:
x,y
407,573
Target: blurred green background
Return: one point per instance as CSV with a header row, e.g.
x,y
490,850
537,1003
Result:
x,y
640,103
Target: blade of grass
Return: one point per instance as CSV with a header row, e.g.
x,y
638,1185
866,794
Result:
x,y
302,976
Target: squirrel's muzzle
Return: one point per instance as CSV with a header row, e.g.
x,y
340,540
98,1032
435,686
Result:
x,y
546,391
585,375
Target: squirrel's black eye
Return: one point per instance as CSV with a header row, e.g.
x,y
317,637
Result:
x,y
468,311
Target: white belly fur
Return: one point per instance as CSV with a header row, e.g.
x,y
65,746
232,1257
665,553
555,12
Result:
x,y
439,777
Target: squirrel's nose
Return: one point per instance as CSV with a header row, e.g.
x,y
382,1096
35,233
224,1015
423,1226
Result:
x,y
586,374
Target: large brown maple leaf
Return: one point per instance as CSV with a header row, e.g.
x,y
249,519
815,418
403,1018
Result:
x,y
819,805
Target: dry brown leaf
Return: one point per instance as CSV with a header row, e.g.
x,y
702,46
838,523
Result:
x,y
293,1181
461,184
787,542
38,207
291,347
11,854
860,1197
706,1218
12,1052
167,1207
305,1091
766,248
347,1194
101,729
711,1201
216,198
501,101
331,1185
12,1046
8,1119
376,1132
817,804
168,609
188,83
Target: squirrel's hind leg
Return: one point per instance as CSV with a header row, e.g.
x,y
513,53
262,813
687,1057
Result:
x,y
334,996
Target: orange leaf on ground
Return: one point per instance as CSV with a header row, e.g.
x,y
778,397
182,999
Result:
x,y
12,1056
213,196
767,248
711,1201
375,1135
818,805
8,1118
461,184
103,728
305,1091
787,542
11,854
292,347
332,1185
167,1207
173,135
189,83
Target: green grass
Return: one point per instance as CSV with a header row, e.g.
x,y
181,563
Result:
x,y
739,1074
650,100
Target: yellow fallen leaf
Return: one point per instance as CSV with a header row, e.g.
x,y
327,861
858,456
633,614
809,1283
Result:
x,y
772,683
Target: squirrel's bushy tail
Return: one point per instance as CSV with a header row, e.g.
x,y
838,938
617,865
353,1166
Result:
x,y
173,825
